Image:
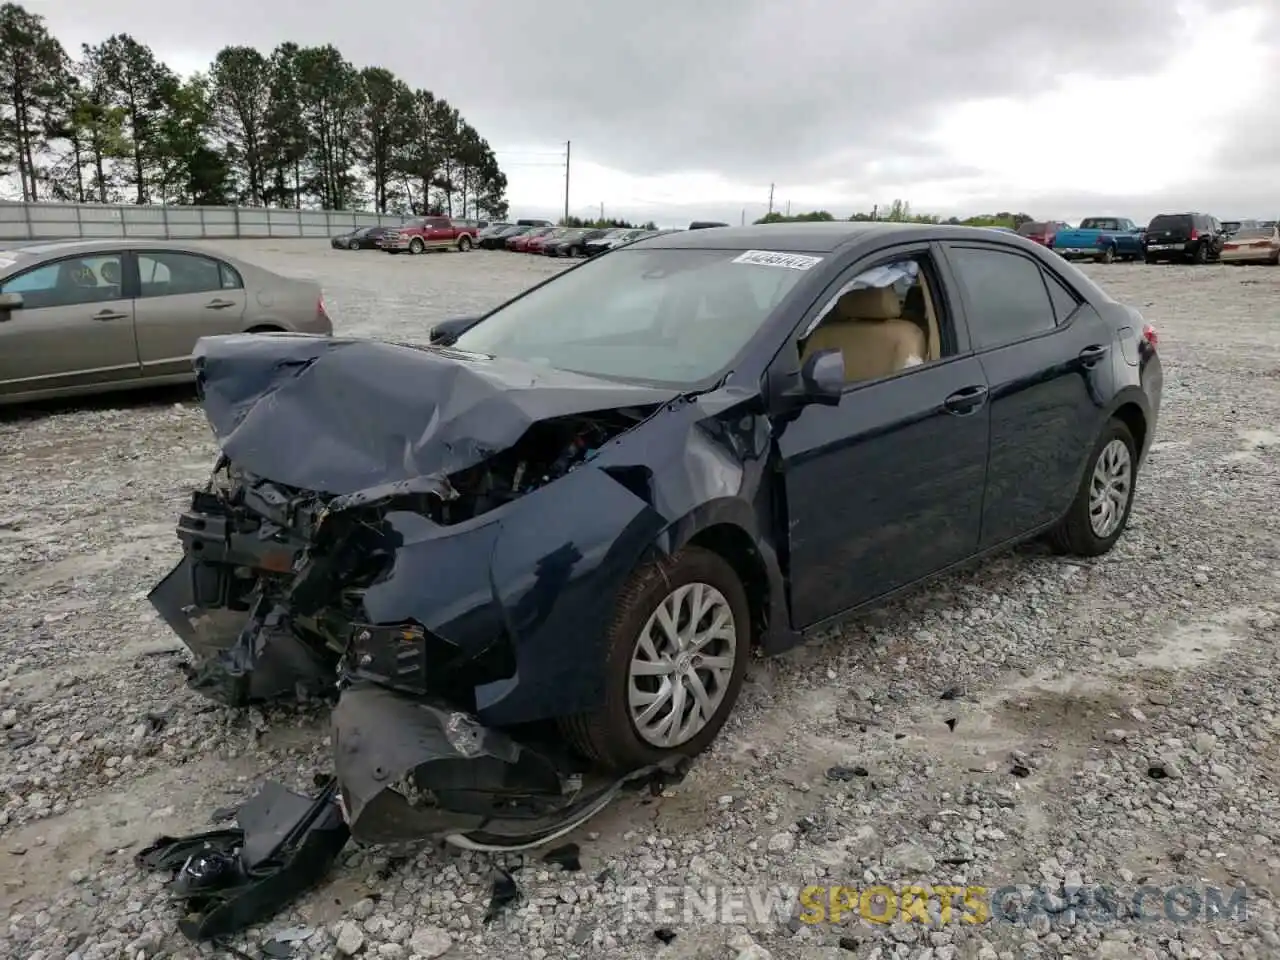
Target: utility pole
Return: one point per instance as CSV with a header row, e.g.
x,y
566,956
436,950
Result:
x,y
602,211
567,145
771,198
788,208
742,222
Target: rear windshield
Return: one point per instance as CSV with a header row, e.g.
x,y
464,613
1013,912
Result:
x,y
1032,227
1253,233
1170,221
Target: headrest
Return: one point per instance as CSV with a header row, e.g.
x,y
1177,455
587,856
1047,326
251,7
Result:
x,y
869,303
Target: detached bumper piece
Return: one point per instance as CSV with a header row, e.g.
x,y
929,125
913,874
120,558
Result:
x,y
228,880
410,770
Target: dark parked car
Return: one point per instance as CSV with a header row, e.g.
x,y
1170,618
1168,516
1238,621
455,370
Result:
x,y
1194,237
539,553
366,238
706,224
498,239
572,244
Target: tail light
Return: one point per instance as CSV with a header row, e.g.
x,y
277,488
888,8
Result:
x,y
1194,234
1149,334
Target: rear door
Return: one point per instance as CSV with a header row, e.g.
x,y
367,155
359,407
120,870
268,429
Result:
x,y
1046,354
74,330
182,297
439,232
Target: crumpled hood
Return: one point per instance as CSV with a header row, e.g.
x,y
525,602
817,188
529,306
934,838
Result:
x,y
336,416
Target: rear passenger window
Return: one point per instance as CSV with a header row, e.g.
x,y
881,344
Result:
x,y
166,274
1064,301
1005,294
230,277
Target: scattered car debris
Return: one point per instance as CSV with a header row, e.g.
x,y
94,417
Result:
x,y
567,856
226,880
665,935
1020,770
951,693
277,948
505,894
951,723
846,773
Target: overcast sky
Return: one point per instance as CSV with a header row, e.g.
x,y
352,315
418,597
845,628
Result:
x,y
679,110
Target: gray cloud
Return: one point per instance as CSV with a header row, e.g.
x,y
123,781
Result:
x,y
807,91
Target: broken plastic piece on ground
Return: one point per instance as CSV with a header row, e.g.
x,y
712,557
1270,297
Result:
x,y
413,770
505,894
664,934
845,773
568,857
228,880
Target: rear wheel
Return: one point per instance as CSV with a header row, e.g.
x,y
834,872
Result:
x,y
416,245
1150,260
1100,511
1201,255
464,243
676,652
1108,255
265,328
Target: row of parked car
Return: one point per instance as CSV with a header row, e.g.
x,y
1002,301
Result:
x,y
560,241
1169,237
523,236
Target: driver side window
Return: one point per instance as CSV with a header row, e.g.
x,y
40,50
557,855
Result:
x,y
883,320
74,281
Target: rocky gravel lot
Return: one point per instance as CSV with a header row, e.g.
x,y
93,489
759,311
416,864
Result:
x,y
1032,722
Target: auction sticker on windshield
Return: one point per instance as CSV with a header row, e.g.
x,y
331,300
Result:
x,y
772,258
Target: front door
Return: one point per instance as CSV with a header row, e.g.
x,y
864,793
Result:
x,y
887,487
439,232
183,297
74,331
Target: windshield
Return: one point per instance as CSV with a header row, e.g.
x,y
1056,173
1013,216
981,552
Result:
x,y
665,316
1254,233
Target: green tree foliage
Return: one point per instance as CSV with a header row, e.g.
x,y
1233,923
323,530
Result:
x,y
900,212
31,65
813,216
299,126
605,224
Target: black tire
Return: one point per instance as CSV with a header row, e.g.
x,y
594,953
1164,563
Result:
x,y
265,328
606,736
1201,255
353,245
416,245
1151,261
1108,255
574,252
464,243
1074,533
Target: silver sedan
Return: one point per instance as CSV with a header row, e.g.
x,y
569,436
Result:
x,y
1258,242
91,316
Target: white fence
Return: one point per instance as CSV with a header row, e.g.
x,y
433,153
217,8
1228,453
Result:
x,y
69,221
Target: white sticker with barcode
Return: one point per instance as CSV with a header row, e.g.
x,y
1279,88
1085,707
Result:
x,y
772,258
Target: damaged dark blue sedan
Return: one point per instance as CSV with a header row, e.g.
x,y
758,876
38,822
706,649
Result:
x,y
532,559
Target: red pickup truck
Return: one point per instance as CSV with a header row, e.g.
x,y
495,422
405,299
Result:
x,y
429,233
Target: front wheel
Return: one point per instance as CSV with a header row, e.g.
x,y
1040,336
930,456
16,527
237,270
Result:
x,y
416,246
676,654
1100,511
464,243
353,245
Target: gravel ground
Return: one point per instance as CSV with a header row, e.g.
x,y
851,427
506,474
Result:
x,y
1031,722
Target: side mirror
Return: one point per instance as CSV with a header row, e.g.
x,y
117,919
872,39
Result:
x,y
820,380
446,333
8,303
822,377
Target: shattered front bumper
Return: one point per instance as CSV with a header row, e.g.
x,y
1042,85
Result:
x,y
410,769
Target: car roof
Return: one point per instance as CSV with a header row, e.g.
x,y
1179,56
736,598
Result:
x,y
810,237
58,248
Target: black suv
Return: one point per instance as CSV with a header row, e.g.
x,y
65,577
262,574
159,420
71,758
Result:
x,y
1193,237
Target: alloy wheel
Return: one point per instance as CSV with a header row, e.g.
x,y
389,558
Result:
x,y
1109,488
681,665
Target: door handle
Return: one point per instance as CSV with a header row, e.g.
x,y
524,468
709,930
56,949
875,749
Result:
x,y
966,400
219,304
1092,355
109,315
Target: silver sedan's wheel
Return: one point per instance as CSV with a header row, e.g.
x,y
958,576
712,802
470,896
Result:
x,y
682,665
1110,488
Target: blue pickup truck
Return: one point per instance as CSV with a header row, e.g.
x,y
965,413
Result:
x,y
1101,238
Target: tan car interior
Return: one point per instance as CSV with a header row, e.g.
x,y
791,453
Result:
x,y
878,332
